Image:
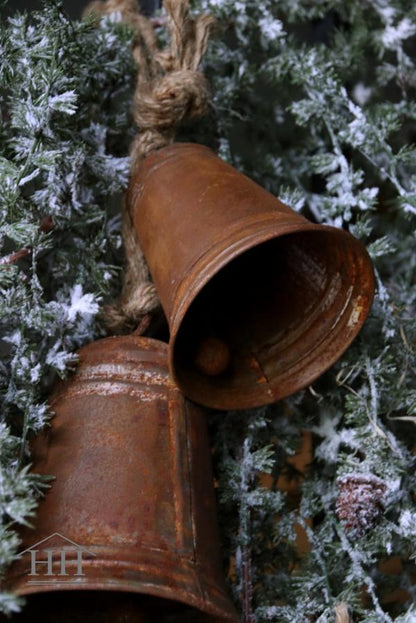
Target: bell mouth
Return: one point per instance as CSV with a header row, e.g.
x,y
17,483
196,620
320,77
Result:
x,y
79,606
273,319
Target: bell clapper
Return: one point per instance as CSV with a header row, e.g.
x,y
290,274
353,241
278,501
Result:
x,y
212,356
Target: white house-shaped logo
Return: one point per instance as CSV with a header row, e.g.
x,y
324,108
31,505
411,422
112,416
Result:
x,y
42,559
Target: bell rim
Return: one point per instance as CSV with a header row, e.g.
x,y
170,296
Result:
x,y
250,234
208,608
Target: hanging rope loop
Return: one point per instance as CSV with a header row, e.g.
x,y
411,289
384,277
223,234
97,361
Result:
x,y
170,89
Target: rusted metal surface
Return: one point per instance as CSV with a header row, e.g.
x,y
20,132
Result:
x,y
133,489
282,297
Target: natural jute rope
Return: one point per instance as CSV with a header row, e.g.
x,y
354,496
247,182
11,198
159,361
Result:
x,y
169,89
341,613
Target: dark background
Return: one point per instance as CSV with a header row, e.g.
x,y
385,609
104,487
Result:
x,y
73,7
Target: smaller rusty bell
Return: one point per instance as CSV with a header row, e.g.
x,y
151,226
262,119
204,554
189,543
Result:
x,y
127,533
259,301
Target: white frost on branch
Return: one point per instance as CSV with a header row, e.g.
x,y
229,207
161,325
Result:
x,y
271,28
393,36
83,304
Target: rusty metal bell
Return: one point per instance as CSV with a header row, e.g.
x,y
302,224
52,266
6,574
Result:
x,y
127,533
259,300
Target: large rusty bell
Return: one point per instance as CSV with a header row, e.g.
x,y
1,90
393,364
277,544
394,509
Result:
x,y
259,300
129,521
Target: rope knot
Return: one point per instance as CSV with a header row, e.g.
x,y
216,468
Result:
x,y
177,95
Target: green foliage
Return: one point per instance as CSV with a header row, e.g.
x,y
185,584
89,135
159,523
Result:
x,y
64,129
316,102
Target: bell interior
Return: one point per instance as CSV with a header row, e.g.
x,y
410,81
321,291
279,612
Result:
x,y
276,308
73,606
